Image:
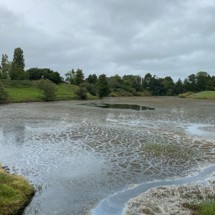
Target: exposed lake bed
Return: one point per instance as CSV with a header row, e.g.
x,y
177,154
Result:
x,y
77,155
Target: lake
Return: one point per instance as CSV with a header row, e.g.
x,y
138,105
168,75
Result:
x,y
77,155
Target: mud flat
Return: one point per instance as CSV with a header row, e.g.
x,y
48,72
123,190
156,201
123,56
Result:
x,y
168,200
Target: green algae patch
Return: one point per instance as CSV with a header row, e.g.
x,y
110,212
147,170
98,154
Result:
x,y
15,193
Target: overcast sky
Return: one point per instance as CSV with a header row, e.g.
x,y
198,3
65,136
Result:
x,y
164,37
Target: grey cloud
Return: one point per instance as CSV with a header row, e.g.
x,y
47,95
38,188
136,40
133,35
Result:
x,y
163,37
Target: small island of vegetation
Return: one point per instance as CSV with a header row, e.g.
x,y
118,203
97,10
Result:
x,y
15,193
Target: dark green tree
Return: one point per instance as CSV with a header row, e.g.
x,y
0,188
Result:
x,y
17,71
103,88
5,67
147,81
156,86
190,83
211,83
92,79
45,73
79,78
34,73
169,86
116,82
179,88
202,80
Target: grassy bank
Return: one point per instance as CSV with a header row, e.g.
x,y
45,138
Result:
x,y
31,93
15,193
200,95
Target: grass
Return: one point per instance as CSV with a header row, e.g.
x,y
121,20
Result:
x,y
15,193
203,95
203,208
200,95
31,93
25,94
185,95
66,92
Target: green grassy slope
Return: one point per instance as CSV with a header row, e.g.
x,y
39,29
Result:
x,y
200,95
66,92
33,94
26,94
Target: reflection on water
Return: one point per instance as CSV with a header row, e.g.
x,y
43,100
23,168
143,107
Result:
x,y
76,155
14,132
119,106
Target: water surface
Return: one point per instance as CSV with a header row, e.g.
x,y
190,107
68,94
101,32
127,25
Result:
x,y
78,155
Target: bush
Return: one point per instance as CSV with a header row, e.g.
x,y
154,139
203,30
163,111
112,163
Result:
x,y
48,88
17,83
3,94
81,93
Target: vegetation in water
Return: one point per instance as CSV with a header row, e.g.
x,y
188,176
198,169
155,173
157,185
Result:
x,y
206,207
15,193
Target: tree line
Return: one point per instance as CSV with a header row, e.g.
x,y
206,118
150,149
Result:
x,y
127,85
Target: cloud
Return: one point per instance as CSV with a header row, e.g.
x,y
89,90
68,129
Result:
x,y
163,37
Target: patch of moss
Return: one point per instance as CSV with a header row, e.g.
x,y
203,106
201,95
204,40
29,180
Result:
x,y
15,193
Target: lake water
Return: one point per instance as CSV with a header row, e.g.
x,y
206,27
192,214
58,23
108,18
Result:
x,y
77,155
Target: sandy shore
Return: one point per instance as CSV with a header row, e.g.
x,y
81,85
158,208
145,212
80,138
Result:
x,y
169,200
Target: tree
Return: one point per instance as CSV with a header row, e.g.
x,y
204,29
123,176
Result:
x,y
115,82
156,86
75,77
147,81
79,77
190,83
92,79
202,80
18,64
70,76
45,73
179,88
211,83
169,86
102,86
5,67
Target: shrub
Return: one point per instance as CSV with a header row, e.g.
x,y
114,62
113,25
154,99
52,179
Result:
x,y
81,93
3,93
48,88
